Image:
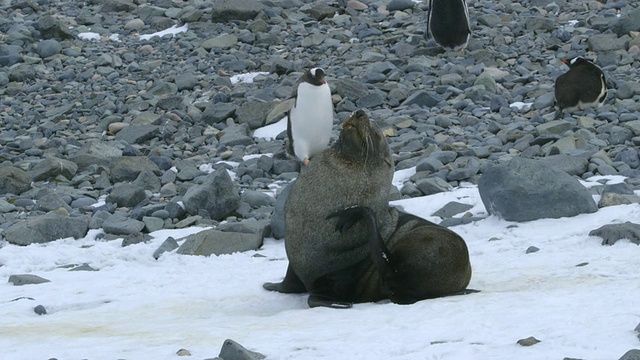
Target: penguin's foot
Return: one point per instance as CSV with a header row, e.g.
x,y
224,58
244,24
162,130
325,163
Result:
x,y
305,161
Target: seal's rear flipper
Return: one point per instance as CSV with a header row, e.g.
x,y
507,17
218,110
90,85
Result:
x,y
291,284
464,292
316,300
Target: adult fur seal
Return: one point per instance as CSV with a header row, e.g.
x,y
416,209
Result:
x,y
338,212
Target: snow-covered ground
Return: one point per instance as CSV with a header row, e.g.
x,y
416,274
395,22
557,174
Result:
x,y
579,298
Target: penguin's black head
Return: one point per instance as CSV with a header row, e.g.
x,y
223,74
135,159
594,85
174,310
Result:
x,y
315,76
576,61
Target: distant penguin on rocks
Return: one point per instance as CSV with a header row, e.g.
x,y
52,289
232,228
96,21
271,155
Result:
x,y
583,85
448,23
310,120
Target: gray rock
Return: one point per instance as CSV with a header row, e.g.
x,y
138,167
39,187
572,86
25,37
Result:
x,y
138,134
231,350
540,191
607,42
236,135
539,23
126,195
350,89
83,267
124,6
530,341
253,113
430,164
48,48
486,80
186,81
224,41
421,98
14,180
134,238
52,167
40,310
611,233
572,165
147,180
452,208
26,279
433,185
633,354
464,167
257,199
152,223
395,5
118,224
216,242
52,28
128,168
47,228
52,201
215,113
532,249
22,73
544,101
228,10
217,195
627,22
168,245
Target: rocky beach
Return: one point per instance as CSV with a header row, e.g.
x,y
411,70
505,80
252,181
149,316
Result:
x,y
131,117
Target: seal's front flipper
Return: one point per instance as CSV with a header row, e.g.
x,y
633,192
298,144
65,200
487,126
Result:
x,y
347,217
291,284
316,300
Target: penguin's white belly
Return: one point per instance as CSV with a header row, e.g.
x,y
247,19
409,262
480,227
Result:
x,y
311,120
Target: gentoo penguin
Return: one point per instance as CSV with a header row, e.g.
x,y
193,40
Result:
x,y
584,84
448,22
310,120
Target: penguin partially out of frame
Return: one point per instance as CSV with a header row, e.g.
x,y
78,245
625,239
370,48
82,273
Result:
x,y
448,23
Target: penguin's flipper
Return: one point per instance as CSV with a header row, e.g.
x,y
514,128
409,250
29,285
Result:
x,y
289,135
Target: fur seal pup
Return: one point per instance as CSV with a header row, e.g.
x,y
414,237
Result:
x,y
335,263
584,84
310,120
448,23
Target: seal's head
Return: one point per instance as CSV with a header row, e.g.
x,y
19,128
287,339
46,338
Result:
x,y
362,142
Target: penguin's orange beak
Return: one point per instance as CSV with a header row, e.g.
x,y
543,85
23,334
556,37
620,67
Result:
x,y
565,61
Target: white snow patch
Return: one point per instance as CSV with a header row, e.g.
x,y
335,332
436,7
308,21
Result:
x,y
246,78
89,36
269,132
174,30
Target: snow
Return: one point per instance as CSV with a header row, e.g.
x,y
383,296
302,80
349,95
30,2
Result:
x,y
173,31
246,78
519,105
270,132
91,36
136,307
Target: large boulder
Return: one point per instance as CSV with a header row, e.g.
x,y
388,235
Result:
x,y
524,190
216,242
47,228
227,10
217,195
14,180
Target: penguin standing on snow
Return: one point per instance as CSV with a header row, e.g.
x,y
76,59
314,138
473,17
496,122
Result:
x,y
310,120
448,23
584,84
